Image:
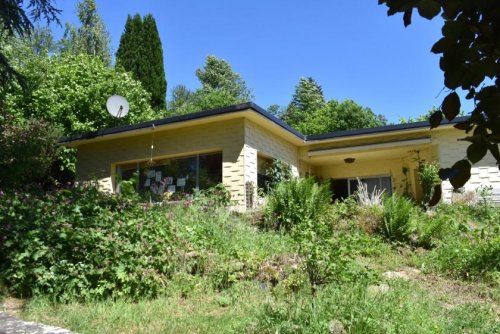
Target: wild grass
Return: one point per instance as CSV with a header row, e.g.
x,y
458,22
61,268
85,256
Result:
x,y
229,276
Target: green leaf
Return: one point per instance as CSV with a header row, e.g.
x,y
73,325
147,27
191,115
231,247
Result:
x,y
436,119
476,151
465,126
460,173
442,45
451,106
407,17
428,8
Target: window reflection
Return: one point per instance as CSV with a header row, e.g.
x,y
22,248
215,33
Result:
x,y
179,175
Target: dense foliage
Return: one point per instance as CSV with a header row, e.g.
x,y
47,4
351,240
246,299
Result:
x,y
337,116
91,37
140,52
220,87
71,91
311,114
80,243
295,201
16,20
307,98
470,59
28,151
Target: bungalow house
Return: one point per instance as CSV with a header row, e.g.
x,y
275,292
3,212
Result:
x,y
234,144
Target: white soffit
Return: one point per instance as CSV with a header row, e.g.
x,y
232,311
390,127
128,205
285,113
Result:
x,y
370,147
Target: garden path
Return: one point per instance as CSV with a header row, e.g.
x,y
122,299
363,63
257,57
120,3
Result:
x,y
12,325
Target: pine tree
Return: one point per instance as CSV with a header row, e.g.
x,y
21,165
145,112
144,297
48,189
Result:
x,y
307,98
217,74
140,52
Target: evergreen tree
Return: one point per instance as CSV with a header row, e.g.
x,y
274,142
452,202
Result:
x,y
217,74
154,73
91,37
140,52
129,49
16,19
307,98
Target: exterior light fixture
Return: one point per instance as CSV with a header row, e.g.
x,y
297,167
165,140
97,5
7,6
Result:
x,y
349,160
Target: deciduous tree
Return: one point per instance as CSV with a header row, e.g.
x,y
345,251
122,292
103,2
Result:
x,y
336,116
71,91
91,37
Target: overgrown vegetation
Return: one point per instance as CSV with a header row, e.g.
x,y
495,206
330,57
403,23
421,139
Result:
x,y
84,256
296,201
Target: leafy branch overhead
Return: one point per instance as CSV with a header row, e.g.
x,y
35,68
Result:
x,y
16,19
470,60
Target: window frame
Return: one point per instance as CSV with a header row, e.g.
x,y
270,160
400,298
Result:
x,y
379,177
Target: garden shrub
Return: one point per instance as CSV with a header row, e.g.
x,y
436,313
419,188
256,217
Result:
x,y
81,243
214,197
296,201
428,173
28,150
398,212
278,172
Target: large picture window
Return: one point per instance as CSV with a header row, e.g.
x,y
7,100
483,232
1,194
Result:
x,y
175,175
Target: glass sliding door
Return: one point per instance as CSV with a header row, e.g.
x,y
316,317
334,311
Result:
x,y
372,183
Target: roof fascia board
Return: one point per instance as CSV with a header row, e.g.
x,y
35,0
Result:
x,y
235,111
376,146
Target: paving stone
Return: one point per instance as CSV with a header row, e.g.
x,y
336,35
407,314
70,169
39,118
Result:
x,y
12,325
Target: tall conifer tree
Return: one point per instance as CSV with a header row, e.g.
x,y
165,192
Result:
x,y
140,52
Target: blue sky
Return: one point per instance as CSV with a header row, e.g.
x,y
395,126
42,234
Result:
x,y
351,47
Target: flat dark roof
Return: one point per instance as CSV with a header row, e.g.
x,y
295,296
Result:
x,y
241,107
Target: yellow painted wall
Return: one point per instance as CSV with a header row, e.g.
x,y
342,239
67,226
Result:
x,y
97,161
242,140
401,182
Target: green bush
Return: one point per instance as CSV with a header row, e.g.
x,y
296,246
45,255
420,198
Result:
x,y
428,173
80,243
296,201
278,172
28,150
445,222
397,216
214,197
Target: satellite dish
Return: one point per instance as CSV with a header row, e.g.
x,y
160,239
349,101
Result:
x,y
117,106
